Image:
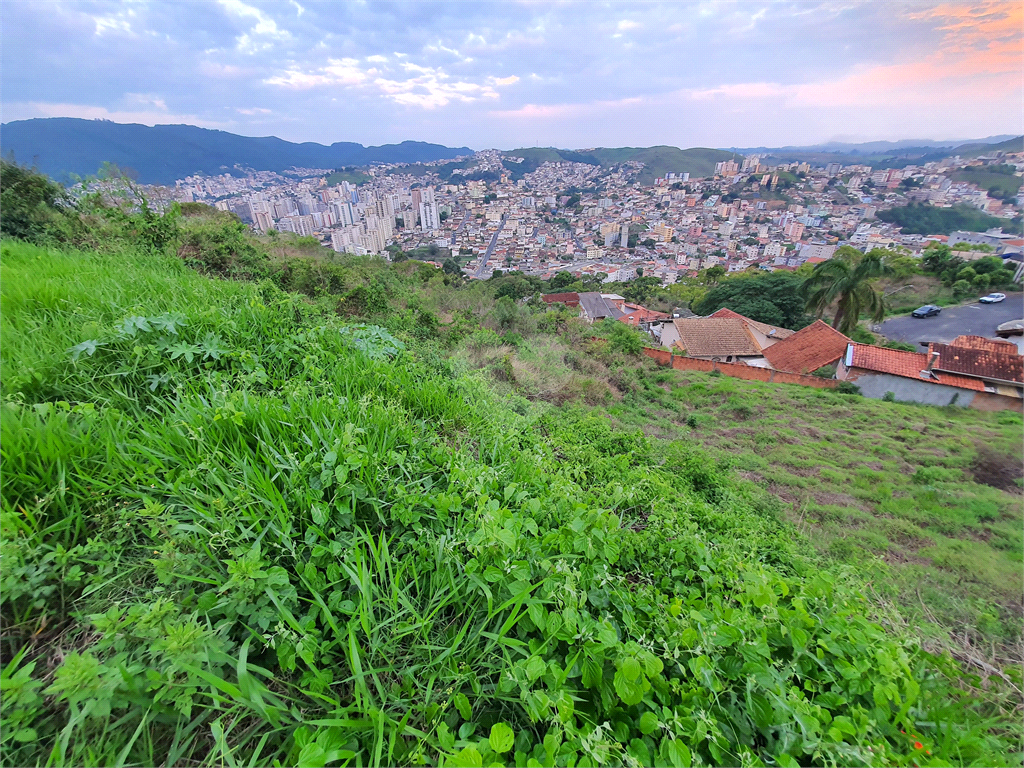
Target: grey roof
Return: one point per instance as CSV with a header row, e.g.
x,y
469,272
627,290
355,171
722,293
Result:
x,y
596,306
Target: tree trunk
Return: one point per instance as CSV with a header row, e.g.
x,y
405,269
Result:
x,y
839,316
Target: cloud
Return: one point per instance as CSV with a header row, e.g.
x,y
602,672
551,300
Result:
x,y
261,34
626,25
255,111
422,86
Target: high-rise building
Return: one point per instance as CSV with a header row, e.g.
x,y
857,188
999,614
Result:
x,y
428,210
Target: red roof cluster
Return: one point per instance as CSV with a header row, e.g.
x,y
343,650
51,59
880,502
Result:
x,y
808,349
980,357
912,365
641,315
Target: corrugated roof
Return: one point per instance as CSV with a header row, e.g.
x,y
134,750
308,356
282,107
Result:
x,y
980,357
715,337
808,349
767,330
597,307
908,364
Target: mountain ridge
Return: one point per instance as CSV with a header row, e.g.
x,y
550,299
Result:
x,y
64,146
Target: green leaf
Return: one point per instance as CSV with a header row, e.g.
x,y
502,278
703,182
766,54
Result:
x,y
468,758
761,712
462,704
630,668
648,723
629,691
445,737
592,673
679,754
502,738
535,667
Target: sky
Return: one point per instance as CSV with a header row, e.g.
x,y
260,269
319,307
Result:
x,y
508,74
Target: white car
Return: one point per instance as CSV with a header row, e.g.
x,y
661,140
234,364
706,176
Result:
x,y
993,298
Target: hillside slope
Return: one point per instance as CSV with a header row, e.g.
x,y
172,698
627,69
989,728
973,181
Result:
x,y
262,519
60,146
389,519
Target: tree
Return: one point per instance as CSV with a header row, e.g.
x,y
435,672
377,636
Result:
x,y
961,288
848,284
451,267
768,297
639,271
648,243
562,279
712,275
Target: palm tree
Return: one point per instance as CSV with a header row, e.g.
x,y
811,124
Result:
x,y
846,283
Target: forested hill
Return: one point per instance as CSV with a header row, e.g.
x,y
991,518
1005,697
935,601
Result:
x,y
697,161
60,146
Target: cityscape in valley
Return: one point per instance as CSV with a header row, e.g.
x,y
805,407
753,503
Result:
x,y
587,219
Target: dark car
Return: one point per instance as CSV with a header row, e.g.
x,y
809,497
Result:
x,y
926,311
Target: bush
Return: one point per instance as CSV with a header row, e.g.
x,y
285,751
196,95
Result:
x,y
32,207
847,388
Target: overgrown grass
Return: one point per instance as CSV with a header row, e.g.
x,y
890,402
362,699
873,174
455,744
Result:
x,y
903,492
238,530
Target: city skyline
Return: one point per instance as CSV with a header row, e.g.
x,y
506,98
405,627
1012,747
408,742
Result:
x,y
483,75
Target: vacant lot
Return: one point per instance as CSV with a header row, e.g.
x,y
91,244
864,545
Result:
x,y
926,500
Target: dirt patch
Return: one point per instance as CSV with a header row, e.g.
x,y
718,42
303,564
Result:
x,y
783,492
752,477
997,470
900,556
837,500
803,471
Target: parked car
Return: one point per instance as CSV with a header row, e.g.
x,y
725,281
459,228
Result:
x,y
993,298
926,311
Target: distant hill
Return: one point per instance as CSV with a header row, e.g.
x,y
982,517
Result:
x,y
61,146
658,161
886,154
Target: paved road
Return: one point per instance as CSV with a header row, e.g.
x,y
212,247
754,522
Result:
x,y
490,249
459,228
974,319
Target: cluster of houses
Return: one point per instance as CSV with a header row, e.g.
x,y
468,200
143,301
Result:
x,y
970,371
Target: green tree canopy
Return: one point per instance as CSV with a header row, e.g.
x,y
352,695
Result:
x,y
770,297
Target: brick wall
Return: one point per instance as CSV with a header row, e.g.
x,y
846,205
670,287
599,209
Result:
x,y
738,370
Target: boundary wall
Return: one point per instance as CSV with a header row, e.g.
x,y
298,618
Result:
x,y
737,370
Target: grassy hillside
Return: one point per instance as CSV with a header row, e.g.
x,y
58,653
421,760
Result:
x,y
994,179
658,161
924,219
238,530
333,511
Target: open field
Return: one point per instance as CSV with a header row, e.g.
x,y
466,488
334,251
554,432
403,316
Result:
x,y
926,502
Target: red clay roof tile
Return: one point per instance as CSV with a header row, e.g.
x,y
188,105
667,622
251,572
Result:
x,y
808,349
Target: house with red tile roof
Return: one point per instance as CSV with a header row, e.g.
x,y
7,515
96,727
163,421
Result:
x,y
807,350
641,317
724,336
917,376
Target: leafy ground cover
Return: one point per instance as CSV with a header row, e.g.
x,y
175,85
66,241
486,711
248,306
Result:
x,y
239,528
